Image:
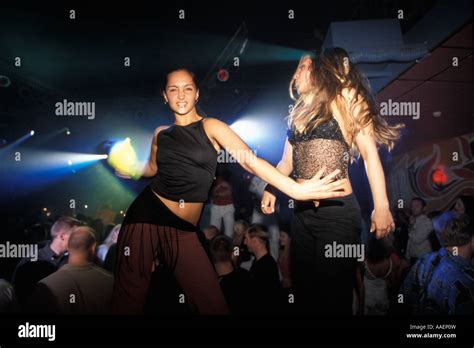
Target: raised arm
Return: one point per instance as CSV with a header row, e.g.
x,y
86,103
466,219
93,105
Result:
x,y
382,221
151,168
312,189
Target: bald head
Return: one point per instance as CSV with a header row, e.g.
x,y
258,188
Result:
x,y
82,241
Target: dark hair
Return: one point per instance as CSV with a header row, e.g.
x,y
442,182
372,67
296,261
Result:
x,y
377,249
199,110
457,232
221,248
64,223
190,72
260,231
423,202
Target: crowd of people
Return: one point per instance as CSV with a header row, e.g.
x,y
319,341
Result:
x,y
424,267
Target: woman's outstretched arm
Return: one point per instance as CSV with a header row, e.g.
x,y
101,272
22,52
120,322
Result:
x,y
316,188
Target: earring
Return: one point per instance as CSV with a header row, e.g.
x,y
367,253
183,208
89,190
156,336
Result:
x,y
166,102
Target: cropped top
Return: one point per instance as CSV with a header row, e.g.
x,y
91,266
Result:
x,y
187,163
324,146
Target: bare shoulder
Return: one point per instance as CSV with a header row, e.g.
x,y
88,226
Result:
x,y
214,125
159,129
214,122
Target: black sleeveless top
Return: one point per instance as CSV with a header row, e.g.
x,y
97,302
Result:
x,y
324,146
187,163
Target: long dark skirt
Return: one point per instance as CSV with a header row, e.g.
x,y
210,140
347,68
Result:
x,y
150,232
323,284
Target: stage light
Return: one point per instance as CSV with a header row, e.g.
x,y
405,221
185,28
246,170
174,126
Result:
x,y
32,132
222,75
122,157
41,167
439,177
45,209
263,133
68,132
86,206
248,129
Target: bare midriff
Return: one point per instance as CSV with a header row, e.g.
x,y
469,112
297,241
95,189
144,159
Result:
x,y
188,211
347,188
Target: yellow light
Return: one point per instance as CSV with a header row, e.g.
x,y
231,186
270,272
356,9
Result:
x,y
123,158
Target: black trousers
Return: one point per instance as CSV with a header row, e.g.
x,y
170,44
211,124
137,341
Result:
x,y
323,285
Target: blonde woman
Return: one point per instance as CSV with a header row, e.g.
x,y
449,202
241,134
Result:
x,y
334,117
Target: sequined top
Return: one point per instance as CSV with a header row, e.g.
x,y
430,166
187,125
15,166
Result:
x,y
324,146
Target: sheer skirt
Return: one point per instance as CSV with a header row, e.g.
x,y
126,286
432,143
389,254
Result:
x,y
152,234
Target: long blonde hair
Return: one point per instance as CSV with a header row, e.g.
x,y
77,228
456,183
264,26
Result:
x,y
331,73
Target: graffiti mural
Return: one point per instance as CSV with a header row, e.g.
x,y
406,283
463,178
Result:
x,y
438,173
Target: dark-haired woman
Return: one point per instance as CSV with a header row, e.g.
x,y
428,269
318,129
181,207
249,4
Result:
x,y
160,227
334,115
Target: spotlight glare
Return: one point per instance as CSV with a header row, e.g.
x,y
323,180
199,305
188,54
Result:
x,y
85,206
69,162
32,132
123,158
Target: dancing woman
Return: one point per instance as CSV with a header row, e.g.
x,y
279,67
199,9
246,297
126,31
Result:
x,y
334,116
160,227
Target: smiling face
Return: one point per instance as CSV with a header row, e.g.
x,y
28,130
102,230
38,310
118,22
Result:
x,y
181,93
302,76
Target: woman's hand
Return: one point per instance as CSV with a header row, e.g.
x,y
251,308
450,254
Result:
x,y
317,188
268,202
382,222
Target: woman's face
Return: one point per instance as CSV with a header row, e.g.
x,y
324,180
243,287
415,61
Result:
x,y
181,93
459,207
284,238
302,76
